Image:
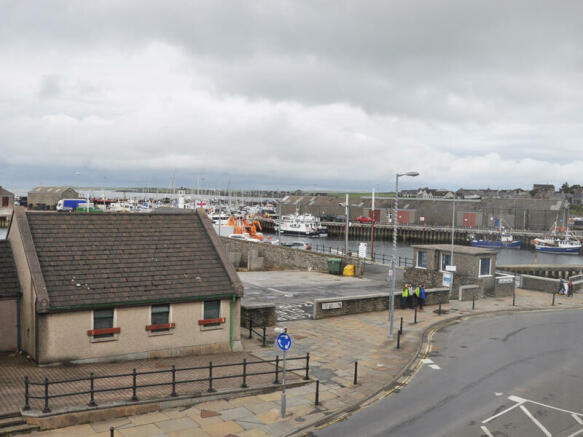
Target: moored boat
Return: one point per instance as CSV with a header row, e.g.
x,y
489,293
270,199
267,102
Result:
x,y
557,243
504,241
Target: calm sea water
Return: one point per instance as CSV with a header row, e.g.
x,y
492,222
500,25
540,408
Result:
x,y
505,256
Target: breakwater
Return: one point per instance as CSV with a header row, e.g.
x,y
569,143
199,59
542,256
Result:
x,y
414,233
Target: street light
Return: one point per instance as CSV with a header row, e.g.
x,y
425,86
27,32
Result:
x,y
394,256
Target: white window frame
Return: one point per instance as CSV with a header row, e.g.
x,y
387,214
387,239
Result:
x,y
216,327
442,254
419,252
170,319
489,267
114,337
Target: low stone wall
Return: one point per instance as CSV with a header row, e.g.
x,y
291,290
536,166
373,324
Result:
x,y
282,257
469,292
261,314
505,286
366,303
538,283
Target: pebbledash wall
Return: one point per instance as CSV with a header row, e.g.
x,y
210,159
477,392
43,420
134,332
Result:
x,y
285,258
64,336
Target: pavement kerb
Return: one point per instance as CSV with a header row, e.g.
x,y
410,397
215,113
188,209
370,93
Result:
x,y
412,366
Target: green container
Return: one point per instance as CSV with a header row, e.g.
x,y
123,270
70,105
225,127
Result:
x,y
334,266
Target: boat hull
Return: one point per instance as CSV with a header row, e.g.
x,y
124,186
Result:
x,y
496,244
559,250
300,233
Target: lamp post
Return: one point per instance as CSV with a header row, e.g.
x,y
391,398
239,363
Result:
x,y
394,256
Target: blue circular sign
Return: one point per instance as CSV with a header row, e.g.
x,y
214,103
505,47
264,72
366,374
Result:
x,y
284,341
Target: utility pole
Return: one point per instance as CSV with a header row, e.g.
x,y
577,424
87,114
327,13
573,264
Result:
x,y
372,228
347,218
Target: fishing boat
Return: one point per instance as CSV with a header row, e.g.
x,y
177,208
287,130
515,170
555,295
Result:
x,y
302,224
504,240
245,227
559,240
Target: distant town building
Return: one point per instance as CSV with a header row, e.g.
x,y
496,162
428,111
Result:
x,y
48,197
6,206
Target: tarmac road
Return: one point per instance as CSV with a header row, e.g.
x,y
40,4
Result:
x,y
507,375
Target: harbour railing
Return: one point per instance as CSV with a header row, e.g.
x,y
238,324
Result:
x,y
379,257
138,385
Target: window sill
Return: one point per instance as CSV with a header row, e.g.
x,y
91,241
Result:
x,y
160,327
422,268
93,332
205,322
484,276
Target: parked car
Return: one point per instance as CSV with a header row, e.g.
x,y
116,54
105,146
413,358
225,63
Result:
x,y
363,219
299,245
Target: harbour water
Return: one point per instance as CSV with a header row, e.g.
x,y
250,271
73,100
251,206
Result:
x,y
384,248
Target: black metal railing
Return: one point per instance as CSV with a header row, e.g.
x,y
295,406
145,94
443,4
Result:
x,y
95,383
261,334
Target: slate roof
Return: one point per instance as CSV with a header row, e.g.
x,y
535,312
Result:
x,y
96,260
9,285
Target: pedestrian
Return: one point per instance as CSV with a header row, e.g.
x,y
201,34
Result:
x,y
421,296
561,287
570,288
405,296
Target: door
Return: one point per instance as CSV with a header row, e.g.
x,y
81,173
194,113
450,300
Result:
x,y
469,219
403,217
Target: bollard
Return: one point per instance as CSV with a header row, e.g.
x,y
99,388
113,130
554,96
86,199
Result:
x,y
415,319
398,339
173,394
401,328
317,400
91,391
211,389
134,386
473,302
276,381
513,298
244,385
439,308
355,373
554,299
264,336
111,430
46,409
307,366
26,395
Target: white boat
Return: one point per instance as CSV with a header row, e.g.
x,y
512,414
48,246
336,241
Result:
x,y
555,243
302,224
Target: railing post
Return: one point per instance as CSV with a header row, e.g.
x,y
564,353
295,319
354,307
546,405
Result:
x,y
415,319
111,431
398,339
211,389
276,380
173,394
46,409
513,298
554,299
438,309
307,366
91,391
26,404
250,327
244,385
264,335
401,328
317,400
355,373
473,301
134,386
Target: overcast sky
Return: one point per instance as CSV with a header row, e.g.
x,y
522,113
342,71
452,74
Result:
x,y
323,94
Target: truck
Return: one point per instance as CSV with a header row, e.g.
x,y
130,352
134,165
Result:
x,y
72,204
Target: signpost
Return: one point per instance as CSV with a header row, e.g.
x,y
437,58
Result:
x,y
284,342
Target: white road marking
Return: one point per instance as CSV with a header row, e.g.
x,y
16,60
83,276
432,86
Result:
x,y
577,418
536,422
286,294
498,394
576,433
427,361
503,412
486,431
434,366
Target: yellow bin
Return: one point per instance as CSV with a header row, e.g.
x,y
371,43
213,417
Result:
x,y
348,270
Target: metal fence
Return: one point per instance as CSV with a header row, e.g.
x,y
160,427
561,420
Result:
x,y
379,257
262,334
134,382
